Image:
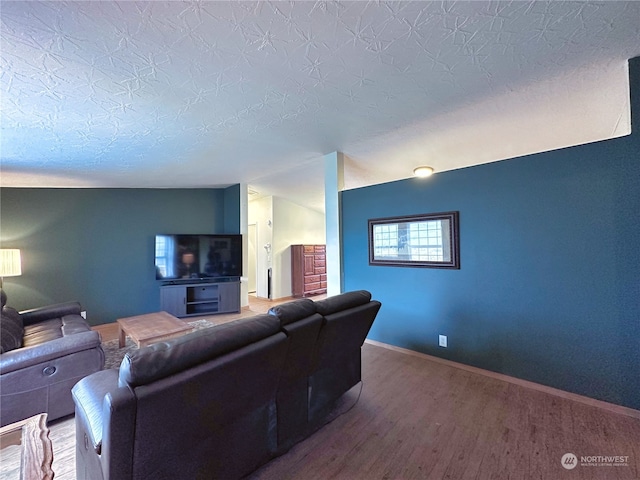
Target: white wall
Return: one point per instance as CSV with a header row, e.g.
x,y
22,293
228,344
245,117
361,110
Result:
x,y
260,213
290,224
252,254
244,225
333,185
293,224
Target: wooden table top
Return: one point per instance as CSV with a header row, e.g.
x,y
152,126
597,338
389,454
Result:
x,y
145,329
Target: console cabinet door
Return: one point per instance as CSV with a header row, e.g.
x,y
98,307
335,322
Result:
x,y
173,300
229,297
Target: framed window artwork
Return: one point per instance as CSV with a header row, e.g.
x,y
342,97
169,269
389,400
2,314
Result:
x,y
428,240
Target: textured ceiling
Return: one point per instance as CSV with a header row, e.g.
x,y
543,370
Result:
x,y
198,94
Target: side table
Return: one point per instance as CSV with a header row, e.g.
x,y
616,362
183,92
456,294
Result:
x,y
25,447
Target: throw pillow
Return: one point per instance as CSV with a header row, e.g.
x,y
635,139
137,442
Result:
x,y
11,329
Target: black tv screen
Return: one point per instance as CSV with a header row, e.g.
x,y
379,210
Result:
x,y
198,256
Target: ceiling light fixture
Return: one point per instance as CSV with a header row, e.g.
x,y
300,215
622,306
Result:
x,y
423,171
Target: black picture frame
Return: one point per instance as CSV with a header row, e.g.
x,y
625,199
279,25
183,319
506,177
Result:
x,y
429,240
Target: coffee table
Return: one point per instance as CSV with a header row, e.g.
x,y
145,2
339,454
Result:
x,y
25,449
150,328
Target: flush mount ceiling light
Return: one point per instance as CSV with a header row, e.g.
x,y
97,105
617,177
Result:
x,y
423,171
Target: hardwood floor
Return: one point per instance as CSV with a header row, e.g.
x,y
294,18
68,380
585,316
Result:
x,y
418,419
422,419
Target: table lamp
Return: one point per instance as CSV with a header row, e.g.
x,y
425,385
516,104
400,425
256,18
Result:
x,y
10,265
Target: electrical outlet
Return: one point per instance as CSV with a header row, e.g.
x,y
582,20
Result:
x,y
442,340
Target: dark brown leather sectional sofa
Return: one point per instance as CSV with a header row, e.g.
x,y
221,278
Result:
x,y
220,402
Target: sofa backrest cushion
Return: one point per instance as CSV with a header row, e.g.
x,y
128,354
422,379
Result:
x,y
345,331
162,359
301,324
11,329
343,301
293,311
217,419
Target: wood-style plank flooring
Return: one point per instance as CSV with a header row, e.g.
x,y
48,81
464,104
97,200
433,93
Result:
x,y
420,419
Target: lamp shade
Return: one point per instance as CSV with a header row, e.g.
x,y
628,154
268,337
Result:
x,y
10,265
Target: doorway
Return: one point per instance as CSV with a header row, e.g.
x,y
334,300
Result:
x,y
252,254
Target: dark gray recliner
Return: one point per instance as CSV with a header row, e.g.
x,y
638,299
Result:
x,y
323,361
201,406
56,349
301,323
347,319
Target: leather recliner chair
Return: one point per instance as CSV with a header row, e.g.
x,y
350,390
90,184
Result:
x,y
52,348
197,406
323,361
347,319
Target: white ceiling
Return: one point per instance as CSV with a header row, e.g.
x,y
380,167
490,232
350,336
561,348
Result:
x,y
208,93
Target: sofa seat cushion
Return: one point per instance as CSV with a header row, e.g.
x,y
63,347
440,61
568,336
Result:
x,y
72,324
11,329
44,332
162,359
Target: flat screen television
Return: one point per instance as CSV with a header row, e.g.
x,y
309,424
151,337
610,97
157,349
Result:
x,y
183,257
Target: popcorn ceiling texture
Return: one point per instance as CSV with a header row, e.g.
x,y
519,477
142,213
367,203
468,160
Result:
x,y
190,94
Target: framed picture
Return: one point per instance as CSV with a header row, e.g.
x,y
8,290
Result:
x,y
427,240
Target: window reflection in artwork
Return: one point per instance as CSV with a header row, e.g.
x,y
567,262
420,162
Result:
x,y
421,240
165,246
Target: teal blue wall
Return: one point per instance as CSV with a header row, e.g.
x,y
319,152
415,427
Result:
x,y
549,284
96,246
232,209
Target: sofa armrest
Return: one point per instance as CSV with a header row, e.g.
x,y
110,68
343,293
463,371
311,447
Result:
x,y
118,433
106,413
29,356
88,396
35,315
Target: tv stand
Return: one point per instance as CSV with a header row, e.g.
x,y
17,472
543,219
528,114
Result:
x,y
197,297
